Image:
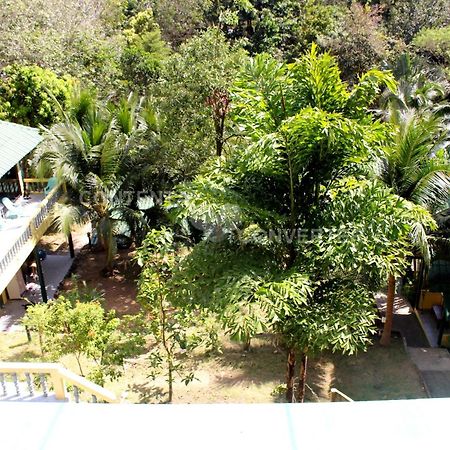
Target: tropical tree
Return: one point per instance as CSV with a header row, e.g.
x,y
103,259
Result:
x,y
144,50
296,241
416,167
285,28
175,331
28,94
418,89
95,152
193,107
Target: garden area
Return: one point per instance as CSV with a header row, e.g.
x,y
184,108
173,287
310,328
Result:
x,y
234,376
249,175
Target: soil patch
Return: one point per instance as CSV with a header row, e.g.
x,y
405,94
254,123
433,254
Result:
x,y
119,290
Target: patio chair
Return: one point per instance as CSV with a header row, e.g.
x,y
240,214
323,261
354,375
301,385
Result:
x,y
13,211
51,183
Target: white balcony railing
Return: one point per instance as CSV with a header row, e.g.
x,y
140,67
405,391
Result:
x,y
19,236
42,381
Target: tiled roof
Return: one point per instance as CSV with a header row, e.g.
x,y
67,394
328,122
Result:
x,y
16,141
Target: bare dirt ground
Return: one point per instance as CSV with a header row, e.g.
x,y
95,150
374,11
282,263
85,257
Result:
x,y
119,290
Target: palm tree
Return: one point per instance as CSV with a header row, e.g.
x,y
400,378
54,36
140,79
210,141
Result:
x,y
92,152
417,90
417,168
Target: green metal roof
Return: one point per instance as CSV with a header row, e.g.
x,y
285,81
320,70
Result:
x,y
16,141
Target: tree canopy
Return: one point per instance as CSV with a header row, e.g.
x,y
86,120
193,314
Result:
x,y
299,236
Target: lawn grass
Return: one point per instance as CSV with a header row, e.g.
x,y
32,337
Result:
x,y
379,374
256,376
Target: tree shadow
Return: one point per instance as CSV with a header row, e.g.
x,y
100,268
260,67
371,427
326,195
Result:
x,y
263,363
149,393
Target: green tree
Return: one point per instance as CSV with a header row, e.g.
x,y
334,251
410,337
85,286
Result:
x,y
296,242
285,28
75,37
208,64
28,94
418,89
144,51
175,331
96,152
416,168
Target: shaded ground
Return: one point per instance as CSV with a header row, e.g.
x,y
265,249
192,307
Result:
x,y
55,242
119,290
409,327
379,374
257,376
434,366
405,321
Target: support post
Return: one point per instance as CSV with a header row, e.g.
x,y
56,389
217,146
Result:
x,y
20,177
71,247
40,275
58,385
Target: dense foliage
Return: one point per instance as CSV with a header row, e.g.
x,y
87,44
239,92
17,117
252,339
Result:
x,y
30,95
78,325
205,65
300,239
301,173
144,50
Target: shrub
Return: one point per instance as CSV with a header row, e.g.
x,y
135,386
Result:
x,y
29,94
434,44
405,18
359,42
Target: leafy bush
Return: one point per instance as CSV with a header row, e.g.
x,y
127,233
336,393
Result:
x,y
29,94
142,56
67,326
434,44
359,42
405,18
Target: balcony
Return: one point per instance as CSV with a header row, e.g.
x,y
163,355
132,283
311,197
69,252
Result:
x,y
19,236
401,424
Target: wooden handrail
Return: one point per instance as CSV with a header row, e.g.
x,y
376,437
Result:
x,y
35,180
59,377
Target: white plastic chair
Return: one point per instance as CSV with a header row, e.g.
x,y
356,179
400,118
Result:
x,y
13,211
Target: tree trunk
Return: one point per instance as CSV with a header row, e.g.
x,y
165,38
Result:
x,y
387,329
302,378
170,380
290,376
